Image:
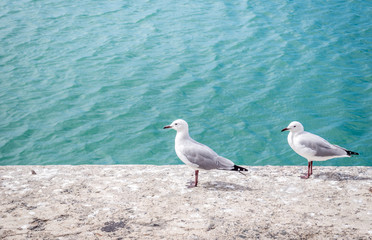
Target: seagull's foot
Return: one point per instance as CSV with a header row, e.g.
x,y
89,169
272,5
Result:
x,y
305,176
191,184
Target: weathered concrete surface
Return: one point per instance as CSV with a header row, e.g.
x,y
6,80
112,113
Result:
x,y
152,202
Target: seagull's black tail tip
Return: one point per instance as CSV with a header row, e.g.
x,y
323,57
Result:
x,y
240,169
349,153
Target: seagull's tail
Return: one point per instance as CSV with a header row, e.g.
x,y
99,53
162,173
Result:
x,y
349,153
238,168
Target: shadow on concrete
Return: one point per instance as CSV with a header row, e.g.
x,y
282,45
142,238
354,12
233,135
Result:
x,y
331,176
224,186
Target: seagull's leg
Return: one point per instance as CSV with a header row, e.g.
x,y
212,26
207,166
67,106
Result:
x,y
308,172
311,172
194,184
196,177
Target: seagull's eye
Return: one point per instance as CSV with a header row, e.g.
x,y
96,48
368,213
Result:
x,y
294,126
176,124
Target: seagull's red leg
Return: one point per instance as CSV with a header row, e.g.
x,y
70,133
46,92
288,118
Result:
x,y
194,184
196,177
308,172
311,172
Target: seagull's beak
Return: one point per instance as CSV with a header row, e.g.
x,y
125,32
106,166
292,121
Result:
x,y
169,126
285,129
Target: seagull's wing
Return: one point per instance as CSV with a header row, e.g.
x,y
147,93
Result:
x,y
319,146
205,157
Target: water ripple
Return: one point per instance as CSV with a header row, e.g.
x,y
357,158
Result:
x,y
90,83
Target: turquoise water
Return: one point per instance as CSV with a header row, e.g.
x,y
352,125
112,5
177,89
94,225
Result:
x,y
84,82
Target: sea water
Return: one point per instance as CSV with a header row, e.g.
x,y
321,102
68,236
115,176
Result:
x,y
94,82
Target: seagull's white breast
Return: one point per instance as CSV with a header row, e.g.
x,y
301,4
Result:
x,y
294,142
179,146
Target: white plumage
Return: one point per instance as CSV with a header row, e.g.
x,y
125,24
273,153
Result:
x,y
312,147
196,155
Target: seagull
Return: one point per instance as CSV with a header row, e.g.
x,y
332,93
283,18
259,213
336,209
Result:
x,y
196,155
312,147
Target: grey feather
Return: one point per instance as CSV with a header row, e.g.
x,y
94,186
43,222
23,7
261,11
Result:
x,y
321,147
205,157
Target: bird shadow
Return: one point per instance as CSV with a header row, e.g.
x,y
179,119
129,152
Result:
x,y
224,186
331,176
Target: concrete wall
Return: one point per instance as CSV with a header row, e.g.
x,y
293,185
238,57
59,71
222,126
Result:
x,y
153,202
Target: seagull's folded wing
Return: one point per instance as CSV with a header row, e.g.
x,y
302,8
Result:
x,y
205,157
320,146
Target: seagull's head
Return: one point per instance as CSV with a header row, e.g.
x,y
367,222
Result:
x,y
294,127
178,125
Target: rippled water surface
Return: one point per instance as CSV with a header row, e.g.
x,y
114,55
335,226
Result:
x,y
84,82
